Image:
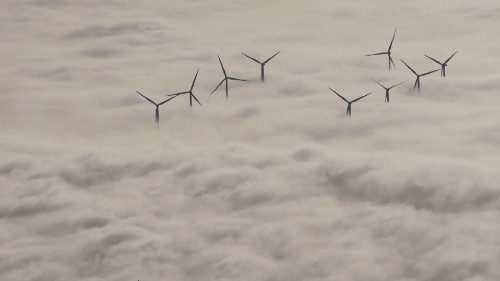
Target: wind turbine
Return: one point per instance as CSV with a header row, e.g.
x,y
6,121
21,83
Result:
x,y
262,64
387,89
226,79
388,52
157,111
443,65
417,81
349,102
190,92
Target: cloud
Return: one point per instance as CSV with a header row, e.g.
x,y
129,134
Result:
x,y
274,183
448,189
97,31
9,167
100,53
91,171
68,227
24,209
56,74
49,3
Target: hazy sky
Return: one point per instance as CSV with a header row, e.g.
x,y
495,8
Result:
x,y
275,183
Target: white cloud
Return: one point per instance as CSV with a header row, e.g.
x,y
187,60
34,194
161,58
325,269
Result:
x,y
275,183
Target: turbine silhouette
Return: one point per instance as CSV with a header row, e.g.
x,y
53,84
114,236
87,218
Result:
x,y
417,81
348,112
443,64
226,79
157,111
190,92
262,64
388,52
387,89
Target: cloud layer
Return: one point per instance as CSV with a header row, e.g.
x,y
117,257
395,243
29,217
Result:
x,y
274,183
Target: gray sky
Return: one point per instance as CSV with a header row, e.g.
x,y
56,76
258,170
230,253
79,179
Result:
x,y
274,183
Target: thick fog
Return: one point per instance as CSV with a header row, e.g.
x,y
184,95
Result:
x,y
274,183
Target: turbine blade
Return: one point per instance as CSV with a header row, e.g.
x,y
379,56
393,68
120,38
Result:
x,y
429,72
450,57
377,54
390,60
237,79
194,80
409,67
251,58
167,100
271,57
394,35
146,98
379,84
338,95
397,84
360,97
435,60
218,86
196,99
177,94
223,70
